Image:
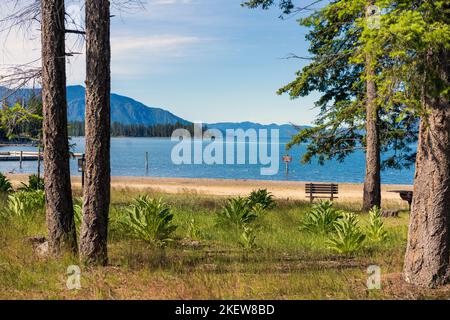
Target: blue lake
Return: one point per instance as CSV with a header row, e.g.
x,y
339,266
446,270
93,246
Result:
x,y
128,159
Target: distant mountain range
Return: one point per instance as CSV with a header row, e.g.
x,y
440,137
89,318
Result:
x,y
286,130
123,110
128,111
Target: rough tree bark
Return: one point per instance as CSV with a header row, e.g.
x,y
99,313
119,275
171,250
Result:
x,y
94,230
58,191
428,251
372,180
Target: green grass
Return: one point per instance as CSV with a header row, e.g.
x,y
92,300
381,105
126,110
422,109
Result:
x,y
289,264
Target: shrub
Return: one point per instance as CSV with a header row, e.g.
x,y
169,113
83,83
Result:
x,y
78,213
24,204
259,210
5,185
34,183
237,212
149,220
321,219
263,198
375,230
348,237
193,231
248,239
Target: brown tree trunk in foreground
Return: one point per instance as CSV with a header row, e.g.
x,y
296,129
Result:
x,y
428,250
58,190
94,230
372,181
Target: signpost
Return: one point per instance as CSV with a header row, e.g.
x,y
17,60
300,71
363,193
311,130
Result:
x,y
287,159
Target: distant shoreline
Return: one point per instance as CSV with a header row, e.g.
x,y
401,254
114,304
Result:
x,y
17,145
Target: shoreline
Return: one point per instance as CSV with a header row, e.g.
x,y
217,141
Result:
x,y
16,145
292,190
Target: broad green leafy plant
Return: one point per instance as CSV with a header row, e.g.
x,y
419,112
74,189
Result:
x,y
263,198
347,237
375,230
5,185
321,219
34,183
194,231
237,212
247,239
149,220
26,204
78,213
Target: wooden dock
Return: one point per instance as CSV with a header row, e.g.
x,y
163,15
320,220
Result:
x,y
21,156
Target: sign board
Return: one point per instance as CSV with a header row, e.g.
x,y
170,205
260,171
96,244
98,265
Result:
x,y
287,159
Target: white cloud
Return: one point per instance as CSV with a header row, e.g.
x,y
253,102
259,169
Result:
x,y
131,56
140,56
166,2
161,44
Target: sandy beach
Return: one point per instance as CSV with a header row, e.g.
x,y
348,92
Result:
x,y
293,190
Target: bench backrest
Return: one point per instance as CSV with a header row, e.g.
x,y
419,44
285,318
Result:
x,y
313,188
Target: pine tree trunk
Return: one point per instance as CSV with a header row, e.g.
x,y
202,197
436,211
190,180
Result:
x,y
58,190
93,240
428,250
372,181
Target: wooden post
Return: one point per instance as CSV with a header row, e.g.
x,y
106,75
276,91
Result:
x,y
146,162
287,159
20,160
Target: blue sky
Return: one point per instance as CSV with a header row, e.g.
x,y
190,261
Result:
x,y
210,60
204,60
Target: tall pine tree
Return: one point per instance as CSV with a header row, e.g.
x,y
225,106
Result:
x,y
343,70
94,228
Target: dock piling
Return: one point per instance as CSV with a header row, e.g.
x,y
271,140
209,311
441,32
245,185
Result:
x,y
146,162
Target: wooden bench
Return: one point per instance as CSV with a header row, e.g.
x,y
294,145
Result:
x,y
322,191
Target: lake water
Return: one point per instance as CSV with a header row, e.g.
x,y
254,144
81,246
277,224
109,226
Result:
x,y
128,159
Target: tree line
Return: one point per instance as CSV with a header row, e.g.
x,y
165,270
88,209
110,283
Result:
x,y
383,68
76,129
23,120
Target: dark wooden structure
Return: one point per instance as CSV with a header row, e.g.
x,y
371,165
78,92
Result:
x,y
322,191
82,168
20,156
406,195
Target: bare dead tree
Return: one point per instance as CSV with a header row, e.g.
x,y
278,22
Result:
x,y
16,77
24,17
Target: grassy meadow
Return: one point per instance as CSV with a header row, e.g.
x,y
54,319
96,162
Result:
x,y
205,259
